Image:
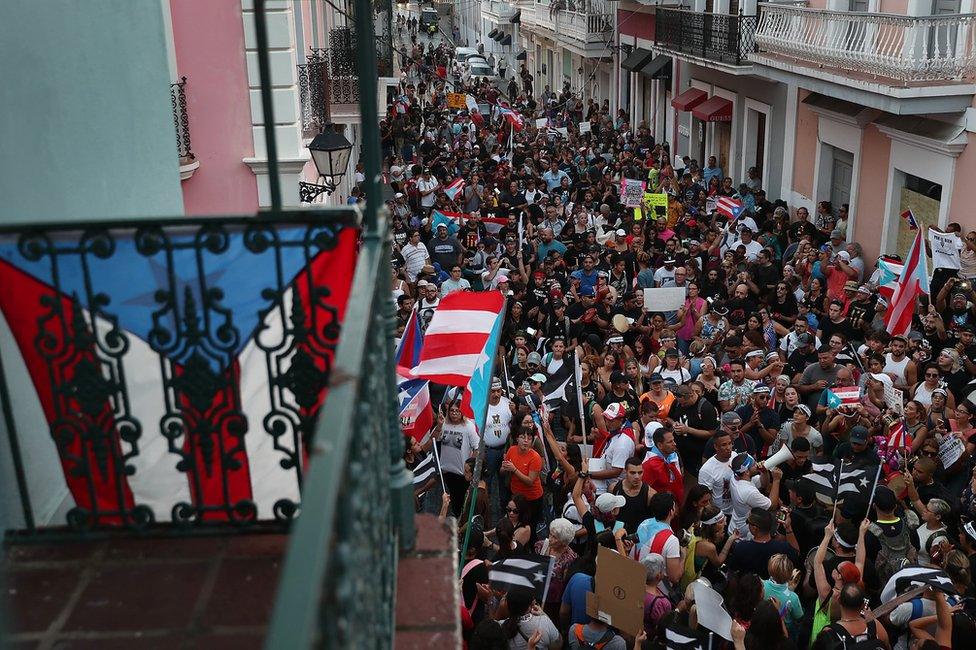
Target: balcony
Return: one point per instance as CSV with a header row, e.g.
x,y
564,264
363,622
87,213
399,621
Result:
x,y
706,38
928,60
329,79
583,26
181,121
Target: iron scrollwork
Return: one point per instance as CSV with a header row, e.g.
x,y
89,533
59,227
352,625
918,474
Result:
x,y
198,339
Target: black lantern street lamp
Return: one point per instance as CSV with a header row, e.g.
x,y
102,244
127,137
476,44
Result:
x,y
330,152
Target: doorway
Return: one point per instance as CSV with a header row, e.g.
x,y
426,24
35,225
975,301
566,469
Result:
x,y
722,134
841,175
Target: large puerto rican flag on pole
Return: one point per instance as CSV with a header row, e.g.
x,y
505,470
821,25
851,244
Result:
x,y
170,373
914,281
416,412
460,345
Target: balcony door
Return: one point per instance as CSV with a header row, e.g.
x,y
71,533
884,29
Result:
x,y
943,35
841,175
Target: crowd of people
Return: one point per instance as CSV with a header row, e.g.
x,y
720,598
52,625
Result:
x,y
663,457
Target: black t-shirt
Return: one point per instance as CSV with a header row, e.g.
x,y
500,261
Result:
x,y
799,228
750,556
700,415
628,400
829,328
740,309
768,419
583,328
798,361
860,314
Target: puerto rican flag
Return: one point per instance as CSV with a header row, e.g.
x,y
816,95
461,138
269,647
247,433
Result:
x,y
913,282
460,346
910,219
889,272
898,436
190,417
454,188
512,117
842,396
416,412
494,224
730,207
452,220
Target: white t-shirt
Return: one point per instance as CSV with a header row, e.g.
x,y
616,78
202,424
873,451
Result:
x,y
717,476
414,258
424,186
498,423
663,277
457,443
745,497
615,455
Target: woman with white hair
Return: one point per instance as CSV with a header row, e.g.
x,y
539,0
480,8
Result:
x,y
656,603
561,533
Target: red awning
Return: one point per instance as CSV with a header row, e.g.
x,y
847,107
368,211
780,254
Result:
x,y
714,109
689,99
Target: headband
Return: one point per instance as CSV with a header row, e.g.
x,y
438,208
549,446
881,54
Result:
x,y
839,540
713,520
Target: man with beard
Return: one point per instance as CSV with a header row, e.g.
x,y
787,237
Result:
x,y
741,306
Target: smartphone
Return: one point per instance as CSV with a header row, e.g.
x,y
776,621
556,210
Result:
x,y
632,538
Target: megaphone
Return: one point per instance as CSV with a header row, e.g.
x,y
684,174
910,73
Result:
x,y
621,323
784,454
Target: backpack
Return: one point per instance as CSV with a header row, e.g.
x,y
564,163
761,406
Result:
x,y
866,641
598,645
895,551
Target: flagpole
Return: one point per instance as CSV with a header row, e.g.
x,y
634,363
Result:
x,y
874,489
437,461
505,376
478,464
840,473
578,376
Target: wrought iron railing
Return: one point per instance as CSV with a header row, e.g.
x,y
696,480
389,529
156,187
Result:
x,y
904,48
177,95
715,37
180,366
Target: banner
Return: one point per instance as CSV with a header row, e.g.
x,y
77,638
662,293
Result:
x,y
457,101
945,250
631,192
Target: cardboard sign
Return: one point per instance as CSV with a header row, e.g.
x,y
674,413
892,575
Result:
x,y
619,597
457,101
585,127
664,299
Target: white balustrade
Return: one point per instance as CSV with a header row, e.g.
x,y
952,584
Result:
x,y
904,48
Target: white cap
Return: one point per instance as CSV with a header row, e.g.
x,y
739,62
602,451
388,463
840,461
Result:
x,y
882,377
844,255
621,232
607,502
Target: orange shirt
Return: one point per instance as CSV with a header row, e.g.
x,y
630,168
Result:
x,y
530,461
663,406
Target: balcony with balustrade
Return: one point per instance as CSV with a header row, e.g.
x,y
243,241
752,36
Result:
x,y
909,64
582,26
714,40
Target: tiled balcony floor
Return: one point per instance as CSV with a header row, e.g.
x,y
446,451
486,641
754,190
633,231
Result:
x,y
206,592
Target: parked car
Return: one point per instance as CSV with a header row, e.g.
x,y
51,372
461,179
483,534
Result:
x,y
462,54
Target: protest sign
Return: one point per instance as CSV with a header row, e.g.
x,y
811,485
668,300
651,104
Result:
x,y
945,249
657,204
619,592
631,192
585,127
563,131
664,299
711,613
951,449
457,100
894,398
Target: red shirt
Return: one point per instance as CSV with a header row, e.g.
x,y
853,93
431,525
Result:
x,y
664,477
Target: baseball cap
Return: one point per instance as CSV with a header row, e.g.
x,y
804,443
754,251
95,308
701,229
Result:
x,y
805,339
422,284
880,376
859,435
621,232
836,234
398,195
617,377
534,358
656,376
671,353
537,377
607,502
844,255
613,411
851,285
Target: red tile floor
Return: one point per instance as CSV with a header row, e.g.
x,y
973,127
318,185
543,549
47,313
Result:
x,y
137,594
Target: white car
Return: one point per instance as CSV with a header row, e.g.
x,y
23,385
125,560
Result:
x,y
462,54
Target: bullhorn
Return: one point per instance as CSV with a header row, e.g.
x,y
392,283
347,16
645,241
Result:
x,y
777,459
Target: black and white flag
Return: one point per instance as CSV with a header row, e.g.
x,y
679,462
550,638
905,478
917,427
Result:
x,y
525,572
834,479
915,575
678,637
555,389
423,470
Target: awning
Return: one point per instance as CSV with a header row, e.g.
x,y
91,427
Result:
x,y
637,59
492,33
689,99
506,39
516,17
520,56
714,109
657,68
499,35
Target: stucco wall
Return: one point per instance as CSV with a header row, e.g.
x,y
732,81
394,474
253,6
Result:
x,y
209,40
961,209
869,216
86,123
805,153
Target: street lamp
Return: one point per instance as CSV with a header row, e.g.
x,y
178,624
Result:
x,y
330,152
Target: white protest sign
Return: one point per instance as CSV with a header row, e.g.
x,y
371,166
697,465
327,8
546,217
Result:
x,y
563,131
585,127
632,192
711,614
945,250
664,299
894,398
541,122
951,449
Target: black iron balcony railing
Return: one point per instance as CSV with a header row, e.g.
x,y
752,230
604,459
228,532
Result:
x,y
329,76
177,95
724,38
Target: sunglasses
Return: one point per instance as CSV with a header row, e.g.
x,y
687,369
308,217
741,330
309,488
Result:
x,y
511,510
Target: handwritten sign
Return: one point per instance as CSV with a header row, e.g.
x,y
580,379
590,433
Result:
x,y
951,449
631,192
457,101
